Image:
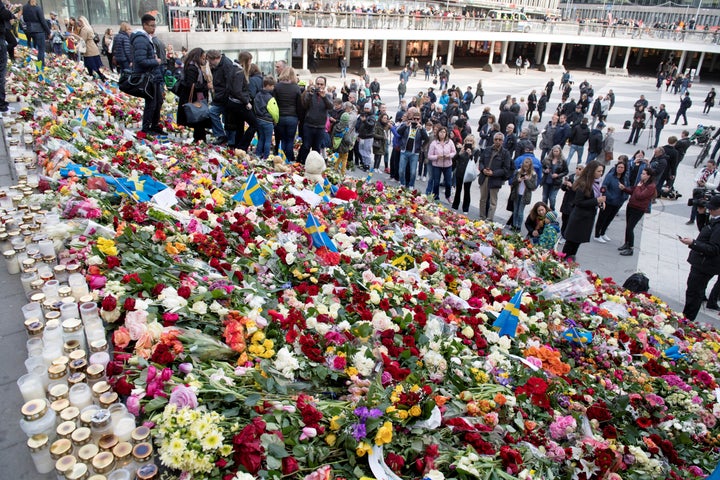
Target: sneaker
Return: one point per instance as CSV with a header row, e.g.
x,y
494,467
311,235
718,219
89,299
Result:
x,y
606,238
600,240
219,141
712,306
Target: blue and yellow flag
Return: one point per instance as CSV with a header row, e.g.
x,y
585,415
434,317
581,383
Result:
x,y
84,117
282,155
252,193
715,475
22,37
318,235
141,188
330,188
78,170
322,192
507,321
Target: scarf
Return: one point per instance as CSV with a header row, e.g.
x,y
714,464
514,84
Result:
x,y
597,185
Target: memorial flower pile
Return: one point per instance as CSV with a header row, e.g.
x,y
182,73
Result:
x,y
258,349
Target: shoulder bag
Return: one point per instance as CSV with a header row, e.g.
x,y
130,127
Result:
x,y
137,84
196,112
471,171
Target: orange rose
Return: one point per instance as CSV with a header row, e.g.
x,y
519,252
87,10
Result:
x,y
121,337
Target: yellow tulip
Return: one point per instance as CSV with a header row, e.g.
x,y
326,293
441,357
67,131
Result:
x,y
384,434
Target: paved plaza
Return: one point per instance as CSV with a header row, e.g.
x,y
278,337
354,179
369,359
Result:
x,y
658,253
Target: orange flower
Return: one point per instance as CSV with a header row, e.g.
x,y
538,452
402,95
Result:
x,y
440,400
530,425
500,399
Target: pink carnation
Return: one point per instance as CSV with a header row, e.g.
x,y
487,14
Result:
x,y
561,427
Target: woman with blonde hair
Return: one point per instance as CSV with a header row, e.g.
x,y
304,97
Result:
x,y
287,95
121,51
91,58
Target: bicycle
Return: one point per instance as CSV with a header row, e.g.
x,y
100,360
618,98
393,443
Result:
x,y
702,137
703,154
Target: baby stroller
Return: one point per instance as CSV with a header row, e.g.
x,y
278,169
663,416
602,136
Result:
x,y
702,137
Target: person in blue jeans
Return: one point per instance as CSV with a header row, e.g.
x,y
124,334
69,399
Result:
x,y
222,70
38,29
413,137
317,105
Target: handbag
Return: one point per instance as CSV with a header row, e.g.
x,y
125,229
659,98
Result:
x,y
196,112
471,172
137,84
608,156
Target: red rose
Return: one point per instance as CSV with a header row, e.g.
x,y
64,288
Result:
x,y
157,289
169,319
112,261
162,354
123,387
395,462
109,303
184,292
129,304
222,463
289,465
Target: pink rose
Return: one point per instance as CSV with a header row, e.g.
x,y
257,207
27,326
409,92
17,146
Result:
x,y
133,405
96,282
121,338
183,397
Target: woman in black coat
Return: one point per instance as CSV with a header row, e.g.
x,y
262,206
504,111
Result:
x,y
193,88
469,152
586,198
38,28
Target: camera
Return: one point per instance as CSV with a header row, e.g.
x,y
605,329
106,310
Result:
x,y
651,110
313,90
701,196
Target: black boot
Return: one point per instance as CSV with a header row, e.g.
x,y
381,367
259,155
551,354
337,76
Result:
x,y
627,252
624,246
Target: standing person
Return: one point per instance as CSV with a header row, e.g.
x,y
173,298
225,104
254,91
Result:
x,y
107,44
402,89
441,153
222,69
287,95
709,101
264,119
578,138
91,59
495,165
704,260
5,16
343,67
245,117
479,92
38,28
468,153
365,128
518,65
193,88
317,104
685,103
542,104
595,143
661,119
555,168
424,167
549,88
532,101
587,198
523,183
413,136
379,146
145,60
641,196
616,196
638,125
567,202
121,52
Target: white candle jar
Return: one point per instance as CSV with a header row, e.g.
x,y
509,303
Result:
x,y
38,418
31,387
39,446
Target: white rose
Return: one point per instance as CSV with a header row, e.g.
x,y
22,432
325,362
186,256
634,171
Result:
x,y
465,294
468,332
374,297
94,260
155,329
322,309
290,258
334,308
199,307
435,475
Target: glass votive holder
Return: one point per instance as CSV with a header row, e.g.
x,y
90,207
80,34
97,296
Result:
x,y
34,348
31,388
32,310
69,310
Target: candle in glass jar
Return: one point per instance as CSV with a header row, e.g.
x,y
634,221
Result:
x,y
39,446
11,263
81,395
31,387
124,427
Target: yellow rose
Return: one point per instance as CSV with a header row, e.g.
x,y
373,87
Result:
x,y
106,246
362,449
384,434
330,439
415,411
334,424
402,414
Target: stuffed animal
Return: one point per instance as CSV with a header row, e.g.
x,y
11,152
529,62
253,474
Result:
x,y
279,164
314,167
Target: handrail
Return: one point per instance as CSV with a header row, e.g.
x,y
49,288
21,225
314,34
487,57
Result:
x,y
198,19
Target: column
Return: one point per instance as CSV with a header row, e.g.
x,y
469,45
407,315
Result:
x,y
627,57
538,52
570,49
503,53
712,62
699,65
366,51
451,52
639,57
511,50
492,52
610,54
547,53
435,48
590,55
562,54
383,62
403,49
613,56
681,62
305,54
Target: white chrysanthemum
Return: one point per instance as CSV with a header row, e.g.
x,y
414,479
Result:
x,y
286,363
212,440
311,323
199,307
435,475
243,476
344,326
435,362
362,363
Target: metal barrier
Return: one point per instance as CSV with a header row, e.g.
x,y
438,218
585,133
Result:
x,y
197,19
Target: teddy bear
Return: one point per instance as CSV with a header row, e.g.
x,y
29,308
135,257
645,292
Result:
x,y
314,167
279,164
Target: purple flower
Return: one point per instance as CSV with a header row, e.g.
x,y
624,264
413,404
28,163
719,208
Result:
x,y
185,367
358,431
375,413
183,397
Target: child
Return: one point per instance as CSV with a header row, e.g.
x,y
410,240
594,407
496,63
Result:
x,y
551,232
343,140
265,120
535,222
56,39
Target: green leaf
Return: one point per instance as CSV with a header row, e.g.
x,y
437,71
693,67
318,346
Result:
x,y
273,463
155,404
277,450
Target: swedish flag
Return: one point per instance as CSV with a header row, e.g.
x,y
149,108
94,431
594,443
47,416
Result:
x,y
322,192
507,321
318,235
77,170
21,36
252,193
330,188
715,475
85,116
282,155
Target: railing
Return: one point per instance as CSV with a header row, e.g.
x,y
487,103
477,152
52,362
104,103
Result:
x,y
195,19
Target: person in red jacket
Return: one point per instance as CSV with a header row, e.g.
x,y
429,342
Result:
x,y
641,196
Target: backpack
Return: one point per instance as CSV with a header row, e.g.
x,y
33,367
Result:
x,y
637,283
273,109
565,77
96,39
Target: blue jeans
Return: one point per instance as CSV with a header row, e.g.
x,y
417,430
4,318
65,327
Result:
x,y
575,148
265,131
446,172
431,178
218,128
518,213
39,43
408,160
286,128
591,156
3,71
549,195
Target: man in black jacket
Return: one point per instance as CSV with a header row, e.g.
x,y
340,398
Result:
x,y
317,104
38,28
495,167
146,60
704,260
222,70
5,16
578,138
